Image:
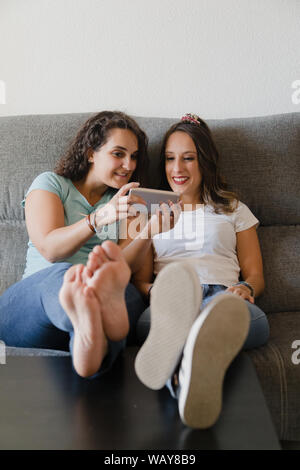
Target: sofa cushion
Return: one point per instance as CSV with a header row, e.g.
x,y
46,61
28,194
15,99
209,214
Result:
x,y
12,351
260,157
280,246
279,376
14,241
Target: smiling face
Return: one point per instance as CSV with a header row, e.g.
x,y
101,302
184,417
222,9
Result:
x,y
182,167
116,160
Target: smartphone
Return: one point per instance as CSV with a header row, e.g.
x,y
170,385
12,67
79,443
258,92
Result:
x,y
153,197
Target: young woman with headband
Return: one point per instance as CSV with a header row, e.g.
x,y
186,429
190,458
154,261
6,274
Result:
x,y
202,314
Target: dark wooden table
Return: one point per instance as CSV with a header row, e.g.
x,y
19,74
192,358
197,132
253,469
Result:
x,y
45,405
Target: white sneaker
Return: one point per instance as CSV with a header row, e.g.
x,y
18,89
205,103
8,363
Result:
x,y
215,339
176,299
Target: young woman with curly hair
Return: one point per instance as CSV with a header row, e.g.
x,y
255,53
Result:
x,y
72,215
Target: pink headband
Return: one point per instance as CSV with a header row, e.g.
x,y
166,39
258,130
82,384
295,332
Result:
x,y
192,118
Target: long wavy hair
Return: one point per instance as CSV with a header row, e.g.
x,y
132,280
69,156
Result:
x,y
213,189
93,134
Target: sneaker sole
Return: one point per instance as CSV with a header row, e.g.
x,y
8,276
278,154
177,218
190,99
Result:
x,y
224,325
176,299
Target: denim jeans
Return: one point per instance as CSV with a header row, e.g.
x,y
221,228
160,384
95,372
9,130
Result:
x,y
259,327
258,333
32,317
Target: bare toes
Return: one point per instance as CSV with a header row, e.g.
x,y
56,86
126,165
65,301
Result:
x,y
86,274
70,275
112,251
78,273
92,266
101,255
88,292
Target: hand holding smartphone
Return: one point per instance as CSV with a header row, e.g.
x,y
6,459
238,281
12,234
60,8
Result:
x,y
154,197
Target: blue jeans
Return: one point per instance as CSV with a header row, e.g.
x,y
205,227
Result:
x,y
32,317
258,333
259,326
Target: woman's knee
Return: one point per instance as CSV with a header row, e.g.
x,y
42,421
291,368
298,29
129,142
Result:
x,y
259,329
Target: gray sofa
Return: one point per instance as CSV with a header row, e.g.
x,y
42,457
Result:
x,y
260,158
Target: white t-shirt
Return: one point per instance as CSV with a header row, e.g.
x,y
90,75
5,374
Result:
x,y
207,240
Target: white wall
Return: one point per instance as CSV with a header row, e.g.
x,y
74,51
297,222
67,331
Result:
x,y
217,58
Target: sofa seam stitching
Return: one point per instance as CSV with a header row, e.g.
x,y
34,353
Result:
x,y
283,389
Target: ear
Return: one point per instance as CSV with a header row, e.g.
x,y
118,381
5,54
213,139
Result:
x,y
90,155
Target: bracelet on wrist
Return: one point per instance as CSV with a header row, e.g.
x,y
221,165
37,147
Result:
x,y
94,221
89,223
243,283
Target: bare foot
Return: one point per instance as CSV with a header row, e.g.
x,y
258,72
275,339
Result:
x,y
82,307
108,274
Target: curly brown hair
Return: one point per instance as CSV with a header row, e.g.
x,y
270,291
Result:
x,y
93,134
213,189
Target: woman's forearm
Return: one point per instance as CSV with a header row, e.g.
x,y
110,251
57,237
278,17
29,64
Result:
x,y
257,282
63,242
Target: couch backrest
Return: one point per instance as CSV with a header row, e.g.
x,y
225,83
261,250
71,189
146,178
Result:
x,y
259,157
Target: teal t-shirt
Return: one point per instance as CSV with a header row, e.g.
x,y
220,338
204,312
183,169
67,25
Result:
x,y
75,204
